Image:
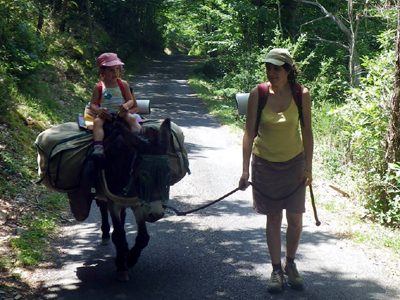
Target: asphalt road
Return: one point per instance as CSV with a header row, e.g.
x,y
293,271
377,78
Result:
x,y
219,252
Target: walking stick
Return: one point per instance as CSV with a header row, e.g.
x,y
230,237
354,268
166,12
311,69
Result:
x,y
317,222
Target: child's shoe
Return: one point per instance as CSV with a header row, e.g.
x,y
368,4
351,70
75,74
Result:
x,y
98,151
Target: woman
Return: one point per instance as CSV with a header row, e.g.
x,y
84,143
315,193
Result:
x,y
281,161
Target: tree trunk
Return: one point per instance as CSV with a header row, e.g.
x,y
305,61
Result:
x,y
288,10
260,25
90,23
40,22
393,136
63,18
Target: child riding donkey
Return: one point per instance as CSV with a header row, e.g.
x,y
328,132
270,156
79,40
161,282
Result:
x,y
111,95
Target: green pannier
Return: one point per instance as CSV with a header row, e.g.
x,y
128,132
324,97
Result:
x,y
177,154
63,149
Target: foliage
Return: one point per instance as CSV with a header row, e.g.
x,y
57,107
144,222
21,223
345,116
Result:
x,y
363,125
21,47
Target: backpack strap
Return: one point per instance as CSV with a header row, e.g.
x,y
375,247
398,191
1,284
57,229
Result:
x,y
298,99
263,92
100,90
122,88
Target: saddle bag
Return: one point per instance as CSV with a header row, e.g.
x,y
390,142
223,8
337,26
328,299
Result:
x,y
177,154
62,151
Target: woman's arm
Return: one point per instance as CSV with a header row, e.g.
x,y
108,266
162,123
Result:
x,y
248,137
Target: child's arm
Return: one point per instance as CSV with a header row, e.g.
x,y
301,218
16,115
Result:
x,y
130,101
94,102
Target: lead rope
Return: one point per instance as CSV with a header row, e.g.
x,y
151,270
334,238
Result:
x,y
184,213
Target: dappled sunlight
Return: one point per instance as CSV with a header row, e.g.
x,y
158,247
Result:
x,y
242,254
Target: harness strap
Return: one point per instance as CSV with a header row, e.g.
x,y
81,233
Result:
x,y
123,201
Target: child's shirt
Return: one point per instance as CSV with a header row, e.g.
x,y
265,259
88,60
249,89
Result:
x,y
112,99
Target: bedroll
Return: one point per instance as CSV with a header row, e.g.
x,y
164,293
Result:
x,y
63,150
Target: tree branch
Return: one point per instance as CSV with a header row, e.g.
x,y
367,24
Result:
x,y
329,15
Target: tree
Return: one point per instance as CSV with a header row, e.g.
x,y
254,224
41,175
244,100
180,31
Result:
x,y
350,31
393,136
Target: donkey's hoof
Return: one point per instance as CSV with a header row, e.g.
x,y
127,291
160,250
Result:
x,y
105,241
122,276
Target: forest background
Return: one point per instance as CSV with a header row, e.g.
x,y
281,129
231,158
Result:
x,y
345,51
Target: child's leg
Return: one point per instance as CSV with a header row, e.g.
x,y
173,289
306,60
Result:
x,y
98,132
133,123
98,136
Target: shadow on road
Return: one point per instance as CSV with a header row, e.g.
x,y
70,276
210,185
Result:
x,y
195,270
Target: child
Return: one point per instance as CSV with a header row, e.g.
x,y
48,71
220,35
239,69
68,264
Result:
x,y
111,95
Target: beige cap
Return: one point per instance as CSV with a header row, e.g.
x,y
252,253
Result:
x,y
278,57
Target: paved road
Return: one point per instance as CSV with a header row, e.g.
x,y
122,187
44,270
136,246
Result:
x,y
218,253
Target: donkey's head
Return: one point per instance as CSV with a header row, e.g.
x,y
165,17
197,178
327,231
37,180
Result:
x,y
137,166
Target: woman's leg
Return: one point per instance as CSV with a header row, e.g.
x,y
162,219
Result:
x,y
293,234
274,222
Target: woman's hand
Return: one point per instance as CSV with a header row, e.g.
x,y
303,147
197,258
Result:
x,y
307,177
244,181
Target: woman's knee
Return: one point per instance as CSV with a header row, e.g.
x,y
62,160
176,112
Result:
x,y
294,219
274,219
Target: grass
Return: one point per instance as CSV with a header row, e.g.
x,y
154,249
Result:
x,y
31,246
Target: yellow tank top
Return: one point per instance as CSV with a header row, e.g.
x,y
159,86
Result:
x,y
279,137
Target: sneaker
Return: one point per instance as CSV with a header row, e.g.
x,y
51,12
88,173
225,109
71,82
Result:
x,y
295,281
275,284
98,151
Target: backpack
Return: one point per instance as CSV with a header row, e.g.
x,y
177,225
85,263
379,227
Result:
x,y
63,151
263,92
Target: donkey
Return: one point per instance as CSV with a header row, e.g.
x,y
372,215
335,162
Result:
x,y
134,174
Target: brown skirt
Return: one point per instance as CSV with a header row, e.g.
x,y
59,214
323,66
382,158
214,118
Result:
x,y
278,185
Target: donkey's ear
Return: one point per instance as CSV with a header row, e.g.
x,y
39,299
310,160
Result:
x,y
165,134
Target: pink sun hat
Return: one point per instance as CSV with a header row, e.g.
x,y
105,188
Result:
x,y
108,60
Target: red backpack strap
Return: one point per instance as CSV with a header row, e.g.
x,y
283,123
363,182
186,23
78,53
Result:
x,y
263,92
122,88
99,92
298,99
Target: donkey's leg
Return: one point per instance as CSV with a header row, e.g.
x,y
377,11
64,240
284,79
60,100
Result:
x,y
142,239
119,240
105,224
